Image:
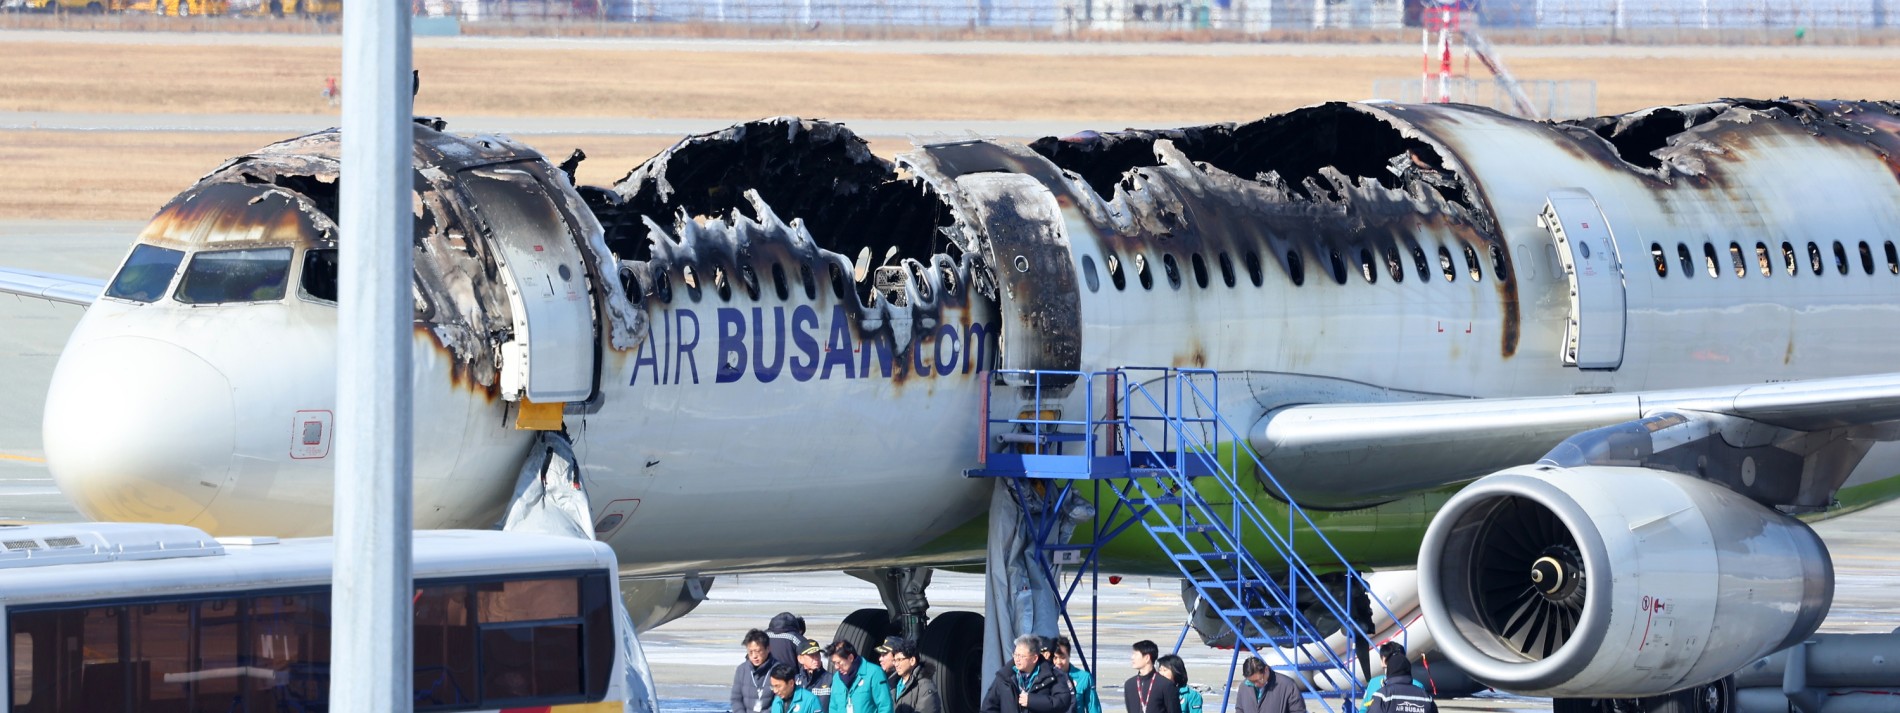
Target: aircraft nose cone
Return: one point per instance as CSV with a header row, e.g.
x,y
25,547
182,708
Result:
x,y
138,430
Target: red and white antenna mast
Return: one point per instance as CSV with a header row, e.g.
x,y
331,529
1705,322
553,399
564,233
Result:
x,y
1442,17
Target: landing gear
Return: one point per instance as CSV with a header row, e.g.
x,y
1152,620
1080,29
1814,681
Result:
x,y
902,590
1716,697
953,643
865,629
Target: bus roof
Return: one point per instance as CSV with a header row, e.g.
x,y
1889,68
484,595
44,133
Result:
x,y
103,561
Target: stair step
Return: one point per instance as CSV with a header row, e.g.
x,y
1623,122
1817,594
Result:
x,y
1199,556
1164,501
1251,611
1185,529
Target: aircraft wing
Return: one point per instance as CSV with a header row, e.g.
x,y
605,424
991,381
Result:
x,y
1352,455
51,287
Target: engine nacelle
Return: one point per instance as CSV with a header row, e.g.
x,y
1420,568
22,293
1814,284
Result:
x,y
1615,582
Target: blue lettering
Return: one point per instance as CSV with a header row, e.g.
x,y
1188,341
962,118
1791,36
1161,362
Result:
x,y
838,348
974,347
649,355
685,350
731,345
946,334
883,346
801,316
767,373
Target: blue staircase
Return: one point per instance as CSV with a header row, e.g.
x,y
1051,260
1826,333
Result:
x,y
1153,442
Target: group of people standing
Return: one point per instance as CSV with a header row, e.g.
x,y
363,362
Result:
x,y
785,672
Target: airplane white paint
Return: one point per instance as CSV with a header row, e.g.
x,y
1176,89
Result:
x,y
1457,287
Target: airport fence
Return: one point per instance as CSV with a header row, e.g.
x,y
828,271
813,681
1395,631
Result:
x,y
1552,98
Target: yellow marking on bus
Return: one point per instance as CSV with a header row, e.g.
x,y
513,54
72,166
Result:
x,y
22,459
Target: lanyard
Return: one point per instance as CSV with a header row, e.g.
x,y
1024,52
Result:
x,y
1024,682
758,705
1144,695
901,683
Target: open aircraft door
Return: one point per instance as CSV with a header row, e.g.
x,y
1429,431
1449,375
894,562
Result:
x,y
1593,337
551,357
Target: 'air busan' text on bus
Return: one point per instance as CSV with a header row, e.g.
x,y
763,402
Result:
x,y
752,343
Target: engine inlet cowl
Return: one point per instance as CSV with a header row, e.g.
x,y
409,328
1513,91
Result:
x,y
1606,582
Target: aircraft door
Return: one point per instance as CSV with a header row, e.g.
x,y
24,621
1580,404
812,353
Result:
x,y
1038,298
551,356
1586,249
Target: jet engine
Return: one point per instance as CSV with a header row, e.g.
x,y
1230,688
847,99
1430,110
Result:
x,y
1604,582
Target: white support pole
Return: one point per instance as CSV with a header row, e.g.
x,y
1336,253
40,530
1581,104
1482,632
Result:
x,y
372,618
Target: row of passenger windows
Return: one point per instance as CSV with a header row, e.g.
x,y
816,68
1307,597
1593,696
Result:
x,y
1739,259
1366,262
661,286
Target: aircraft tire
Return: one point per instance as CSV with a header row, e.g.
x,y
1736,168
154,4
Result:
x,y
865,629
953,644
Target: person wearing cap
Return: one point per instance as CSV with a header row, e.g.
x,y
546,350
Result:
x,y
855,687
751,682
916,689
884,653
1399,694
1081,684
812,675
787,696
1373,684
1030,684
1267,691
787,632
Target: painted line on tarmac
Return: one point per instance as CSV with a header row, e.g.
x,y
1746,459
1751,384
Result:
x,y
22,459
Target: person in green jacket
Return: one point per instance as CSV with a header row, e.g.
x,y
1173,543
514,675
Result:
x,y
1083,684
855,687
787,696
1175,670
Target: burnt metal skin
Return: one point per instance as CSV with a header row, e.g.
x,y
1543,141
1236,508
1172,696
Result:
x,y
795,328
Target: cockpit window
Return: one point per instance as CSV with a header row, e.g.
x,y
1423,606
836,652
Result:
x,y
146,274
319,275
253,275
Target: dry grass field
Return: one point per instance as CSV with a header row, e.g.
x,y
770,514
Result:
x,y
93,175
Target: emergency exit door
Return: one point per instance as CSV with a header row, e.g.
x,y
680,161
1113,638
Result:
x,y
551,357
1593,337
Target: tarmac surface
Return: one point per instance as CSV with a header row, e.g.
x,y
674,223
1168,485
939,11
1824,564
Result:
x,y
693,658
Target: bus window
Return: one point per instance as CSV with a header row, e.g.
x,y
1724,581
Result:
x,y
146,274
22,669
529,600
445,648
290,643
252,275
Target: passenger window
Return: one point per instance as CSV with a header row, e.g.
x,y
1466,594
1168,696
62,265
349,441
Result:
x,y
1866,258
1688,263
918,279
1662,260
1227,268
320,271
1254,271
1295,269
1088,274
839,288
1141,272
1424,268
691,278
1840,258
663,287
146,274
1337,265
1173,270
1762,260
1497,264
1366,268
1788,259
1200,270
1893,260
1471,264
1735,256
1115,271
778,282
811,283
1526,267
1392,265
722,285
629,282
1708,258
249,275
1444,263
1814,258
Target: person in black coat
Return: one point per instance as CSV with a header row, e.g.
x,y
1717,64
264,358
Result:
x,y
1399,694
1149,691
1030,684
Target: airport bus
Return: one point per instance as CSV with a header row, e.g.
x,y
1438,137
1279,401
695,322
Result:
x,y
125,617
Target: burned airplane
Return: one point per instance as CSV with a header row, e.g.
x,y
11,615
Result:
x,y
1634,347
